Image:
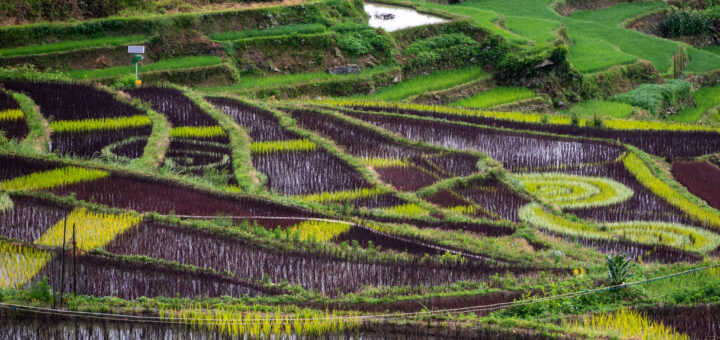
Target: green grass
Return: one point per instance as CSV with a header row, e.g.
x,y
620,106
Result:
x,y
705,99
439,80
599,40
602,108
539,30
715,49
71,45
252,82
168,64
275,31
496,96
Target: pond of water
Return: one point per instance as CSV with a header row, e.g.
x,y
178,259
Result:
x,y
393,18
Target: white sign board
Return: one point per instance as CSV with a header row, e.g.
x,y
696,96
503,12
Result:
x,y
136,49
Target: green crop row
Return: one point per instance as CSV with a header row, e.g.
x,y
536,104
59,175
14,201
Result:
x,y
71,45
384,162
167,64
409,210
99,124
52,178
318,231
341,196
273,31
625,324
641,171
295,145
203,132
94,230
11,115
496,96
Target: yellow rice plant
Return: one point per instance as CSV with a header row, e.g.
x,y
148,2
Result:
x,y
294,145
19,264
11,115
99,124
384,162
625,324
5,203
406,210
468,210
525,117
93,230
320,231
644,175
201,132
52,178
340,196
572,191
238,323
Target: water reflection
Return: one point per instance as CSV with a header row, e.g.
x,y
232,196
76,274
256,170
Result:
x,y
393,18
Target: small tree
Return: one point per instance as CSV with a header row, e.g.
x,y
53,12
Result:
x,y
618,269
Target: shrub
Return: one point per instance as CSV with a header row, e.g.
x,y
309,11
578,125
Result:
x,y
685,22
653,97
30,73
438,42
40,291
362,42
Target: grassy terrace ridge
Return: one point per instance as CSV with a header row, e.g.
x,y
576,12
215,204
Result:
x,y
435,81
601,108
496,96
65,46
168,64
274,31
250,82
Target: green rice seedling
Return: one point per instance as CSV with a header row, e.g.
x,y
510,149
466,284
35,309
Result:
x,y
273,31
92,230
11,115
65,46
625,324
572,191
19,264
5,203
295,145
468,210
99,124
168,64
237,322
201,132
341,196
319,231
384,162
602,108
52,178
408,210
644,175
495,97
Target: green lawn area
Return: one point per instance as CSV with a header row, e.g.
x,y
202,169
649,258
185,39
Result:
x,y
705,98
598,40
715,49
601,108
250,82
168,64
64,46
496,96
439,80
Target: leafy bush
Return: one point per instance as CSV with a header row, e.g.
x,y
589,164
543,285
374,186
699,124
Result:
x,y
40,291
685,22
30,73
438,42
654,97
362,42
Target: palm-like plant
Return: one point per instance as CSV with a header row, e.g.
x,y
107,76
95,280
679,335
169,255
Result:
x,y
618,269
